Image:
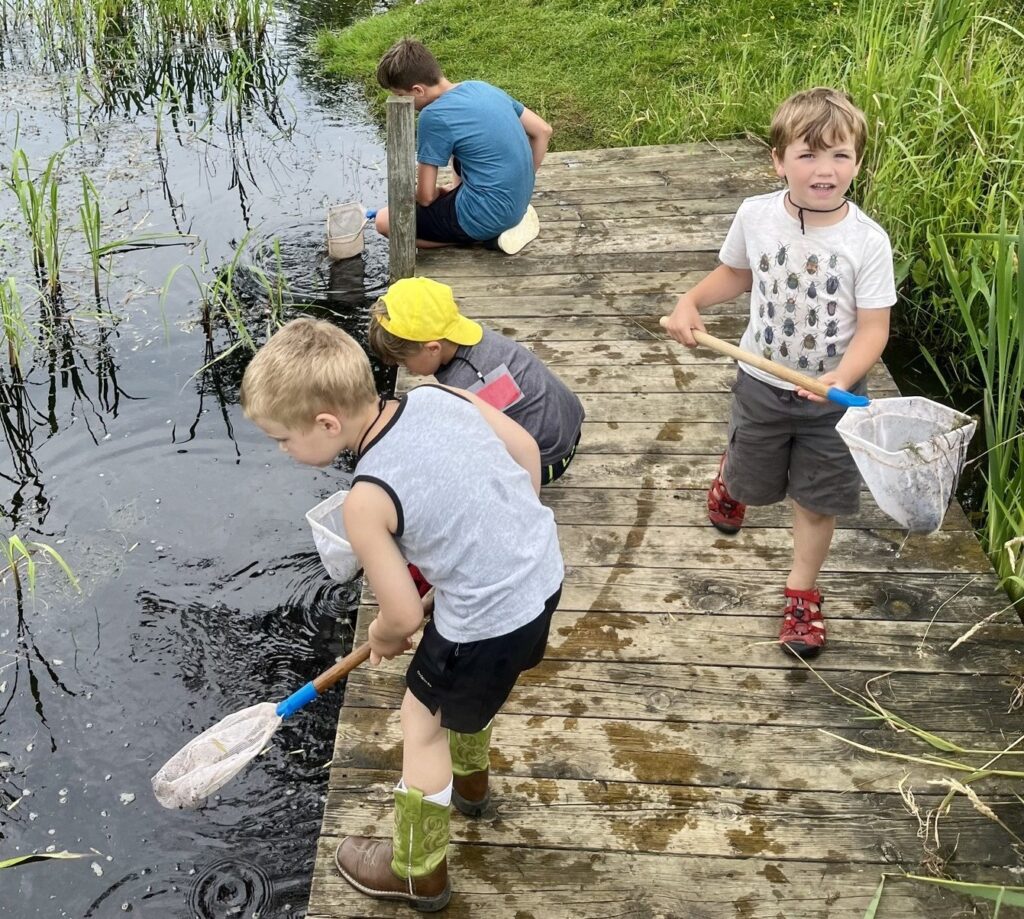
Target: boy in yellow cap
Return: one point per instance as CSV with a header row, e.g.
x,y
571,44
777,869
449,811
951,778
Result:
x,y
417,324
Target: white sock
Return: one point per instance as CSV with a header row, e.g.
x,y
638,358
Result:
x,y
442,797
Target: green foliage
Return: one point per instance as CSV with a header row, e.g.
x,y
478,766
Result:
x,y
15,551
989,296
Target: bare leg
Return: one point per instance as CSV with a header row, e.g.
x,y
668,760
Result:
x,y
382,223
426,760
812,537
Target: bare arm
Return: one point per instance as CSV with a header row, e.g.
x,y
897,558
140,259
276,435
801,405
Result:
x,y
724,283
426,184
370,521
520,445
864,350
538,132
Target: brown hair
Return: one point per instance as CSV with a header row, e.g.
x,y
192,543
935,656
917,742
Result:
x,y
406,63
821,117
307,366
386,345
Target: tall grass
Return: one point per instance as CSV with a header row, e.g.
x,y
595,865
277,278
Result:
x,y
989,295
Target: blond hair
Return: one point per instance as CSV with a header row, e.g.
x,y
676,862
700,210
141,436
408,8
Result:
x,y
307,366
386,345
820,117
406,63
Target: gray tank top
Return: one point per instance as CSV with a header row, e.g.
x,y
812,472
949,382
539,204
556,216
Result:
x,y
468,517
548,409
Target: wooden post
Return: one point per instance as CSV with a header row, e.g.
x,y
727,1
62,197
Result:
x,y
401,147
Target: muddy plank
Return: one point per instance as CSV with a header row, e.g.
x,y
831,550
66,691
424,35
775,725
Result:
x,y
962,600
530,882
751,639
688,507
698,692
704,754
641,209
640,545
678,820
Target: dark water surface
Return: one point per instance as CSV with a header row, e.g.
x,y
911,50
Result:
x,y
201,590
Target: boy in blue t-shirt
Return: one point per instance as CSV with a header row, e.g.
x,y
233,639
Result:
x,y
495,144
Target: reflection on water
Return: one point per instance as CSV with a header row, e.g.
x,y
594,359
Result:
x,y
201,589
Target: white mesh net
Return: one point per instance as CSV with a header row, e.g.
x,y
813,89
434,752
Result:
x,y
213,758
910,452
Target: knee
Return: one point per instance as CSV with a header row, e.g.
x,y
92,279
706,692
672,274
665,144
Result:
x,y
380,222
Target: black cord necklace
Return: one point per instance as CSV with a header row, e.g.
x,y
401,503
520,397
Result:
x,y
380,411
814,210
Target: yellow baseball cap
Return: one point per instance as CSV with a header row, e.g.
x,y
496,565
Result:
x,y
420,309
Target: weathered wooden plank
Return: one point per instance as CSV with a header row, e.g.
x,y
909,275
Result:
x,y
688,507
741,183
646,546
535,263
656,210
751,639
698,692
711,226
678,820
708,153
670,753
531,882
962,599
712,377
486,307
610,330
638,470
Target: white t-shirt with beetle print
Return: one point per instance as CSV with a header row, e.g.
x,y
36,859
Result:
x,y
807,287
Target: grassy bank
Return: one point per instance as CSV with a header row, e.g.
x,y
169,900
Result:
x,y
944,172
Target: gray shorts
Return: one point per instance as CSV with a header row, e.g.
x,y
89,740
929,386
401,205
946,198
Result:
x,y
781,444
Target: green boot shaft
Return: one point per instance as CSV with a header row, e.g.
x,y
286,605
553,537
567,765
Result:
x,y
470,752
421,834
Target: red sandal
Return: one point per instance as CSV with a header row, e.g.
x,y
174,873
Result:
x,y
803,628
724,512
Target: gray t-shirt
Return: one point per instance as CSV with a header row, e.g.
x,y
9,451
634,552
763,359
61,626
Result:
x,y
547,408
468,516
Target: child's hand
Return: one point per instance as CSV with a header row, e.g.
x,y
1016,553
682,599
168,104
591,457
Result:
x,y
385,649
829,379
684,318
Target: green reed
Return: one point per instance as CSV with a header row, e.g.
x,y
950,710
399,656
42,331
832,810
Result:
x,y
16,328
16,552
38,202
989,297
92,227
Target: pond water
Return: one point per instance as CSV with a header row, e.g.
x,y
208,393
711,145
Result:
x,y
201,592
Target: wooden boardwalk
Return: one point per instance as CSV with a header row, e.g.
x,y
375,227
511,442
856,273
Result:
x,y
667,759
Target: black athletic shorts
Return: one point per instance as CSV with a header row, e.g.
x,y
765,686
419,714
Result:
x,y
470,681
438,222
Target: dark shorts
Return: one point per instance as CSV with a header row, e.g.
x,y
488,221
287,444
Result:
x,y
781,444
549,472
438,222
470,681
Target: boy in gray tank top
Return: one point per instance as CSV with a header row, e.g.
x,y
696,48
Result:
x,y
418,324
447,482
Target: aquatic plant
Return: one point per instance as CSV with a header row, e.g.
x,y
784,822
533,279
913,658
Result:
x,y
986,279
15,551
38,202
16,328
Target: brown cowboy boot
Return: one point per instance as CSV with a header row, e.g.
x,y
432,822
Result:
x,y
412,867
470,770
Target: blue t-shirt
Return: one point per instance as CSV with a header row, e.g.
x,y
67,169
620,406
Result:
x,y
479,125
